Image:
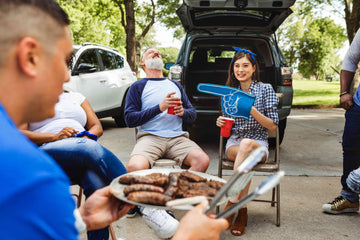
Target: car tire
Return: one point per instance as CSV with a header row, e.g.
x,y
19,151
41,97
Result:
x,y
119,120
281,126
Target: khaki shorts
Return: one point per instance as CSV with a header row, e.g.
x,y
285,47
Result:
x,y
154,147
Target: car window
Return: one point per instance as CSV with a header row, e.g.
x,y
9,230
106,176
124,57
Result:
x,y
108,59
89,57
119,61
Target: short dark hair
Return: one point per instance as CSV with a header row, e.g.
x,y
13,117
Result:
x,y
43,20
51,7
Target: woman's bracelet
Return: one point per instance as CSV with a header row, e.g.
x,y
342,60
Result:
x,y
343,93
86,133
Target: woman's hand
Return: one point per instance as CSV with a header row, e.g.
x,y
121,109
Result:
x,y
220,122
66,132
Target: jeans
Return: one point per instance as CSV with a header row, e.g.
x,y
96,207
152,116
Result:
x,y
351,150
353,180
87,164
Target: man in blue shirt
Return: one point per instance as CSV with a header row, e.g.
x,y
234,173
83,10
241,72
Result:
x,y
160,134
35,45
35,201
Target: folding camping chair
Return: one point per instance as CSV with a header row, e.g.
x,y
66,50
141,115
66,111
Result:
x,y
270,166
78,204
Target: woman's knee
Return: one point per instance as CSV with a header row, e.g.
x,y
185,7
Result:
x,y
247,145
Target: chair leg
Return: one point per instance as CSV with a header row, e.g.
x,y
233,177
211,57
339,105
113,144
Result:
x,y
112,232
80,196
273,197
278,205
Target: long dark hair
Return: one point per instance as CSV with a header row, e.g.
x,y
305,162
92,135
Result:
x,y
231,80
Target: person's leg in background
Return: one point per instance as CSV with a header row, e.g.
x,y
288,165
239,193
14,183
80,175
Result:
x,y
348,201
351,150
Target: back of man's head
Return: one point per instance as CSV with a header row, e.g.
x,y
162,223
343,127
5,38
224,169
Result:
x,y
41,19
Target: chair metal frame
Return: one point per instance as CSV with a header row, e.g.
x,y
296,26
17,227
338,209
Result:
x,y
271,165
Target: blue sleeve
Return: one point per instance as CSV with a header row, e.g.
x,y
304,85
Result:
x,y
189,111
35,201
271,103
41,211
134,116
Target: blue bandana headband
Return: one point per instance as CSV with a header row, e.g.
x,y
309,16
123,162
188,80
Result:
x,y
239,50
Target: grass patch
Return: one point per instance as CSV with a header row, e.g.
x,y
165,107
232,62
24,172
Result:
x,y
311,92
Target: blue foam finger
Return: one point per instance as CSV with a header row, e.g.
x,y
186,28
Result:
x,y
234,102
214,89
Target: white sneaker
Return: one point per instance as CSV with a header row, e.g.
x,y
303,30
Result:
x,y
160,221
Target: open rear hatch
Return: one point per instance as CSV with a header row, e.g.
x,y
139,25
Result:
x,y
263,16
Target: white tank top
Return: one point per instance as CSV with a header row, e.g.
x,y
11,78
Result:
x,y
68,113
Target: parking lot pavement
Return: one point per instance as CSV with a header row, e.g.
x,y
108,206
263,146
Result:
x,y
310,155
311,146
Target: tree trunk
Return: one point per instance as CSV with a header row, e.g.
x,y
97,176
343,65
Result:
x,y
130,34
352,18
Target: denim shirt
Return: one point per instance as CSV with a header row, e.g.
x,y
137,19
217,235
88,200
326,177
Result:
x,y
266,103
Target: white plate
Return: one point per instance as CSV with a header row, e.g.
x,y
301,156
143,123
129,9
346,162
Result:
x,y
120,187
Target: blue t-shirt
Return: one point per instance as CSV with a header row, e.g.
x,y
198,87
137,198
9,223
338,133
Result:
x,y
35,199
142,107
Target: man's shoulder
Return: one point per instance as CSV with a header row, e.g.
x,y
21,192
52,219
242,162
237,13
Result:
x,y
139,83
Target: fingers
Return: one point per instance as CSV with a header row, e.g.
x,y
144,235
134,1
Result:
x,y
169,101
346,101
170,95
219,122
178,109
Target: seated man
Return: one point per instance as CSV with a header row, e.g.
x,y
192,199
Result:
x,y
160,134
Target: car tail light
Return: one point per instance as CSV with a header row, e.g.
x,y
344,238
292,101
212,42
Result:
x,y
286,75
175,72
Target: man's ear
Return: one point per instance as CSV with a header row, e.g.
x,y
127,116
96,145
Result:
x,y
28,56
142,63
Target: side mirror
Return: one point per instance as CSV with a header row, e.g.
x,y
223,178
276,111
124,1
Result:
x,y
168,65
84,68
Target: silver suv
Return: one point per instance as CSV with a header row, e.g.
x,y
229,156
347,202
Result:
x,y
213,28
103,76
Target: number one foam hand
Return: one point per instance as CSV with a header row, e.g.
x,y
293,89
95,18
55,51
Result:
x,y
234,102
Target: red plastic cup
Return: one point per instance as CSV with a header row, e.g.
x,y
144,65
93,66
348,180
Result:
x,y
226,128
171,110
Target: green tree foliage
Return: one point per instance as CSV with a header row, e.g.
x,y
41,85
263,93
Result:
x,y
347,9
318,46
95,21
289,34
138,17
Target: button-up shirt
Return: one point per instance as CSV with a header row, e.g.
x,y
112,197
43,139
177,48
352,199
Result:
x,y
266,103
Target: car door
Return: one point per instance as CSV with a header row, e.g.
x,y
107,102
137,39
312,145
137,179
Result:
x,y
264,16
118,79
92,85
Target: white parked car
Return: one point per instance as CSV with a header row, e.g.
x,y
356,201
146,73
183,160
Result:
x,y
103,76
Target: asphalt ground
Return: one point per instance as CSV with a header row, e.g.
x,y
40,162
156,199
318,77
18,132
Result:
x,y
311,157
